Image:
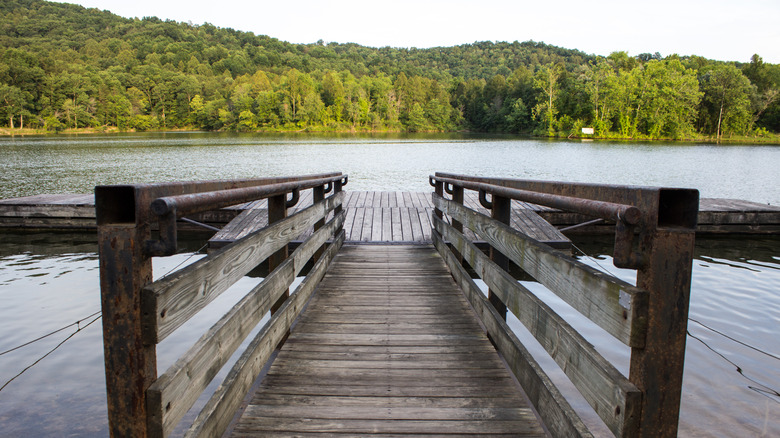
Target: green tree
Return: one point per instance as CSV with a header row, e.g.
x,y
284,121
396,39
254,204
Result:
x,y
546,80
13,100
727,92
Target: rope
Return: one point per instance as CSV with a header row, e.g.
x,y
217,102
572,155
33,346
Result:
x,y
762,389
735,340
50,334
185,260
50,352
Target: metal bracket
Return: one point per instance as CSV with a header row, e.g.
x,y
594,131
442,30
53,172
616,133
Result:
x,y
345,180
328,187
296,196
431,181
167,244
449,188
624,255
483,200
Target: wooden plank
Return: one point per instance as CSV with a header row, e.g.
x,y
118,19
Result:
x,y
215,417
614,398
387,226
376,225
399,200
294,426
555,411
357,226
349,221
406,225
169,302
368,224
176,390
246,222
388,370
614,305
414,221
395,220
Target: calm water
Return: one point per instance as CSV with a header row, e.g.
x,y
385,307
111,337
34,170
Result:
x,y
50,280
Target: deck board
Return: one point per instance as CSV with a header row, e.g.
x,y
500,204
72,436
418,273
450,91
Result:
x,y
388,345
77,211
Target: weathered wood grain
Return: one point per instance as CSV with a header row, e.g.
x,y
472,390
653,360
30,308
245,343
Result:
x,y
171,301
614,305
410,358
221,407
616,400
553,408
176,390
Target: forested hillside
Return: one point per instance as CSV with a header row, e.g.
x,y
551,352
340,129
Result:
x,y
63,66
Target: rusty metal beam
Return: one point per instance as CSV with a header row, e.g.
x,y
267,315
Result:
x,y
603,209
169,208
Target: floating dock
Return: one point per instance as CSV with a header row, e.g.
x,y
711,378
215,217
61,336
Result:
x,y
381,216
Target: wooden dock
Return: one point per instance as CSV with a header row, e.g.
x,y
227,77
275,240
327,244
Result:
x,y
390,217
394,338
378,216
388,345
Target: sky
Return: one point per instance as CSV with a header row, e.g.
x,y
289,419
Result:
x,y
726,30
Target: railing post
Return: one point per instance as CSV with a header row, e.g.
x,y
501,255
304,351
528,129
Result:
x,y
338,186
131,366
318,194
457,196
277,210
501,212
657,369
439,189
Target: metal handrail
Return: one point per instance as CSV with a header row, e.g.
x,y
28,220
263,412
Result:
x,y
192,203
627,214
170,208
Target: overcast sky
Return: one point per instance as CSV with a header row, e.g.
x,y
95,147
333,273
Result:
x,y
728,30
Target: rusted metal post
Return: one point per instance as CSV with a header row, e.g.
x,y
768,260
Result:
x,y
501,212
131,366
277,210
657,369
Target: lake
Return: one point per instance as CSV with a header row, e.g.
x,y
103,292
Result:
x,y
50,280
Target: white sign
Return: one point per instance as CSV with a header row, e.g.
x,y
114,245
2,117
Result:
x,y
588,131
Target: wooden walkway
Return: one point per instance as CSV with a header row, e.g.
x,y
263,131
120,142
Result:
x,y
384,216
388,346
397,217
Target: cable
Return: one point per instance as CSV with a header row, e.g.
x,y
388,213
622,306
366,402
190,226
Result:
x,y
50,352
735,340
593,260
185,260
49,334
762,389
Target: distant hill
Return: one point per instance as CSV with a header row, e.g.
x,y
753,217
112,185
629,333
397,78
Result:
x,y
65,66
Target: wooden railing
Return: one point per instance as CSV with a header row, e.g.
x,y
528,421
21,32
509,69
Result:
x,y
139,313
654,235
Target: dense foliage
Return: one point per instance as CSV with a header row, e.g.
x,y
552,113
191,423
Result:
x,y
63,66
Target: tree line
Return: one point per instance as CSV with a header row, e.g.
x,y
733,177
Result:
x,y
63,66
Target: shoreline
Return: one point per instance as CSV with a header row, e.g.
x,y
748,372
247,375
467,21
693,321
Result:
x,y
23,132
